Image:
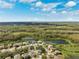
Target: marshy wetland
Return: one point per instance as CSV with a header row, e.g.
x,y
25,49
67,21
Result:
x,y
62,38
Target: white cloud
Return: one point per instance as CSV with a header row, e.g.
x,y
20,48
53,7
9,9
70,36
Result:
x,y
70,4
4,4
46,7
54,12
69,19
39,4
77,12
64,12
50,6
27,1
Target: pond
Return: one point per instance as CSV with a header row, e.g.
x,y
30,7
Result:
x,y
60,41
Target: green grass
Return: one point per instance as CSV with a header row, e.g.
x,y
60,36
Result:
x,y
69,50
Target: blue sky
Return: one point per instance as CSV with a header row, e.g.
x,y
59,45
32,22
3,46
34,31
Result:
x,y
39,10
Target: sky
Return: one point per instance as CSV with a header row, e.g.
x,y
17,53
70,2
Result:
x,y
39,10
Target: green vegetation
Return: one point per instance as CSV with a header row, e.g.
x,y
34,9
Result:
x,y
65,36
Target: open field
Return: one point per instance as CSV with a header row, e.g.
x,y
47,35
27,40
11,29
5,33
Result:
x,y
64,36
